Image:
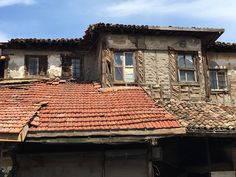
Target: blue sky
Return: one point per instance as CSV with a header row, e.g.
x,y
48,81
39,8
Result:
x,y
70,18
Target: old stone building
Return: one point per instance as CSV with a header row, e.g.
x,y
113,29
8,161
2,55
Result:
x,y
124,100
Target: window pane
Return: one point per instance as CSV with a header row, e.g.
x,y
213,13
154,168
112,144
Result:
x,y
119,73
33,66
129,59
190,76
180,61
189,61
76,68
182,75
213,76
221,80
118,59
129,74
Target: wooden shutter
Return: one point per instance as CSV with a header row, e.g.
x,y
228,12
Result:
x,y
43,65
66,67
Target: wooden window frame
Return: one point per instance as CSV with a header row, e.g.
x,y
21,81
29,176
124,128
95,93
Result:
x,y
69,59
226,80
42,65
123,67
194,68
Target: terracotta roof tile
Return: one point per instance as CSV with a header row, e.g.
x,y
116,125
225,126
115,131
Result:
x,y
222,47
80,107
94,30
203,117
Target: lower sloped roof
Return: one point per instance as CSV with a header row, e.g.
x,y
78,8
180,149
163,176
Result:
x,y
83,110
204,117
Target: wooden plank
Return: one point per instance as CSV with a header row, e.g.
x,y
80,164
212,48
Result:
x,y
23,133
14,137
9,137
157,132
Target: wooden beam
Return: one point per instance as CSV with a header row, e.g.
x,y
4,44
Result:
x,y
94,140
155,132
9,137
14,137
23,133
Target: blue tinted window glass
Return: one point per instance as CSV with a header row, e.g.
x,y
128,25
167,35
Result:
x,y
118,59
180,61
76,68
213,76
129,59
190,76
189,61
182,75
222,80
119,73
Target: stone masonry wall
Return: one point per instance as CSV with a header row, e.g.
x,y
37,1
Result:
x,y
159,56
226,61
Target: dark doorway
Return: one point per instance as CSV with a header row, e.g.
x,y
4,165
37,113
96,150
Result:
x,y
2,68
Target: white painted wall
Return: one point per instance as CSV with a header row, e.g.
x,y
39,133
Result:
x,y
54,66
16,64
16,67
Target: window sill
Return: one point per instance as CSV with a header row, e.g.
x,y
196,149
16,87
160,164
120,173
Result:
x,y
123,83
36,76
220,91
188,83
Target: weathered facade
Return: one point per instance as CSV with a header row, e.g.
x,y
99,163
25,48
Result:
x,y
51,63
165,106
155,59
221,58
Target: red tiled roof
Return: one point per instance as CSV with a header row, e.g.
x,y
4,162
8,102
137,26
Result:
x,y
16,110
204,117
80,107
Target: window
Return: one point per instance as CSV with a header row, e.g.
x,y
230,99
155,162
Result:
x,y
218,80
71,67
186,68
33,66
75,68
36,65
124,66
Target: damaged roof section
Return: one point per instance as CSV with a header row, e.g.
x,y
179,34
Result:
x,y
17,109
55,109
203,117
